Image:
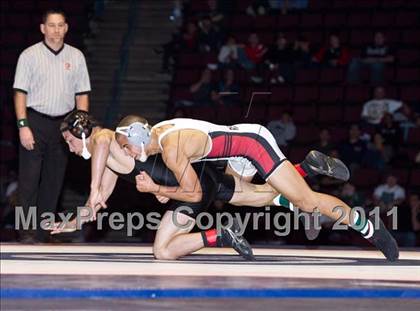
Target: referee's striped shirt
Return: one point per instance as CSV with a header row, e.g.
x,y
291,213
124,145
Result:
x,y
51,79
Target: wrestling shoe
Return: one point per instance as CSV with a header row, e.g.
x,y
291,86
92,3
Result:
x,y
312,229
230,237
320,163
384,241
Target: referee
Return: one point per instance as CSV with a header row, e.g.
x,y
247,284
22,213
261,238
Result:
x,y
51,78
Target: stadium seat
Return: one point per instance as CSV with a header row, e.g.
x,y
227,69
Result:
x,y
281,94
264,22
24,5
407,19
360,37
304,114
311,21
330,114
411,37
352,113
393,4
408,56
306,94
410,93
306,76
331,95
357,94
186,76
382,19
364,178
414,136
334,20
181,93
339,134
254,114
306,134
357,19
331,75
274,112
319,4
415,178
288,21
408,75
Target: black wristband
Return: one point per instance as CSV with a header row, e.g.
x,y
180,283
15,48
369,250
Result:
x,y
22,123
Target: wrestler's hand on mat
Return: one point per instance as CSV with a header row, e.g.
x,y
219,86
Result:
x,y
63,227
162,199
26,138
144,183
96,198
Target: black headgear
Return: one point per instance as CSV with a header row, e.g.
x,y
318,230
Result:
x,y
78,122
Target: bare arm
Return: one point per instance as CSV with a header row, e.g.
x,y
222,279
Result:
x,y
82,102
100,151
26,136
20,105
189,189
196,86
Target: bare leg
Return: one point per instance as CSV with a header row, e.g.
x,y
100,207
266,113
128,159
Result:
x,y
290,183
247,194
172,241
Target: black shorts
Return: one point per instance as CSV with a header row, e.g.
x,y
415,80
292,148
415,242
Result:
x,y
215,185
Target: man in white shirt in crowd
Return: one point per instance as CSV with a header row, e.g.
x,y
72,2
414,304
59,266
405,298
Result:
x,y
389,194
374,110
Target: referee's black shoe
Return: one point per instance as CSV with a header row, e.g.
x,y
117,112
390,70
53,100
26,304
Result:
x,y
384,241
230,237
318,163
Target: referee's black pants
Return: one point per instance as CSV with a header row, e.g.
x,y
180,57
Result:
x,y
41,170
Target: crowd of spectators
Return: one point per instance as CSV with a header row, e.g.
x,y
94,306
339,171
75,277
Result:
x,y
375,141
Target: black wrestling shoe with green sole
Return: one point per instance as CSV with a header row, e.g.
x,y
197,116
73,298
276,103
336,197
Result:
x,y
230,237
384,241
320,163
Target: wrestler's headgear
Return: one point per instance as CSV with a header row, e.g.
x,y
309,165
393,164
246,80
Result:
x,y
80,124
138,134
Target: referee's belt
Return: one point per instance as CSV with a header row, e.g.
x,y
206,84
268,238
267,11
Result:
x,y
45,115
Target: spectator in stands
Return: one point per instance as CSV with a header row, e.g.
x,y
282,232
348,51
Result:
x,y
353,149
252,56
374,109
285,5
203,89
187,41
376,155
375,57
333,54
391,133
408,221
216,14
406,118
324,144
280,58
283,130
224,95
302,52
414,204
209,38
228,54
389,194
258,7
201,92
350,196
